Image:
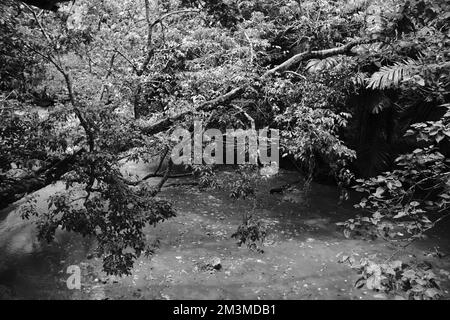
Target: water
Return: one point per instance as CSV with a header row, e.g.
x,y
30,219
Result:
x,y
30,268
300,259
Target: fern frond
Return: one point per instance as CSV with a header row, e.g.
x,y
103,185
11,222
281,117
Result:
x,y
391,76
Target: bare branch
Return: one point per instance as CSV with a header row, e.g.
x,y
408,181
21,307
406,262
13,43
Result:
x,y
111,65
251,47
127,59
41,27
168,14
321,54
166,151
164,179
252,121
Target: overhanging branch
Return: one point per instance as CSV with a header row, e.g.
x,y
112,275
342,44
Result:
x,y
319,54
164,124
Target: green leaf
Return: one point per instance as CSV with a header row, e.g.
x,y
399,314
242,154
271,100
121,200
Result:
x,y
432,293
397,264
400,215
374,282
378,193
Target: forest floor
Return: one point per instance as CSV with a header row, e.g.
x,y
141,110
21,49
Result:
x,y
300,260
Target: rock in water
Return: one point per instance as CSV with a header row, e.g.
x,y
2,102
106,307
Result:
x,y
216,263
211,265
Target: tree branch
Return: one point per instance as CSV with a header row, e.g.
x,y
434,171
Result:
x,y
41,27
111,65
69,86
17,189
157,175
166,151
127,59
164,124
164,179
319,54
150,26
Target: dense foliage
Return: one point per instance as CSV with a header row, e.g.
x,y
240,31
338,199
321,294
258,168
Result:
x,y
358,89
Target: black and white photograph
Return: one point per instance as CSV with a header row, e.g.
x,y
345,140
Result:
x,y
219,157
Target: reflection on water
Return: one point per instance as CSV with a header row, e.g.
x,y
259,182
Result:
x,y
28,267
35,270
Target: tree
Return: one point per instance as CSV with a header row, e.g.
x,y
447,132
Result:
x,y
342,80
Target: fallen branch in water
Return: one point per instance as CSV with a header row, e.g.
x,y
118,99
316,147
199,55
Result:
x,y
157,175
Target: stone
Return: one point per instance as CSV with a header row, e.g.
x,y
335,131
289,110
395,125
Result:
x,y
216,263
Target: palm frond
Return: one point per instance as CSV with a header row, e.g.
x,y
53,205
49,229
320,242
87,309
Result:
x,y
392,76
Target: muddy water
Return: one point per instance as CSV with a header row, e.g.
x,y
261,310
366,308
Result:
x,y
300,259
